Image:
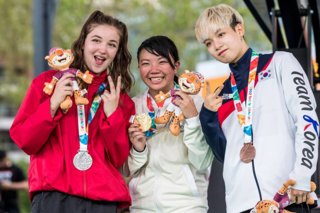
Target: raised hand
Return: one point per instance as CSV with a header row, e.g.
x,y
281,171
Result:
x,y
137,137
111,98
212,101
186,104
62,90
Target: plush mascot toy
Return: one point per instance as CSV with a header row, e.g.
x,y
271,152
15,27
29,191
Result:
x,y
60,60
280,200
190,83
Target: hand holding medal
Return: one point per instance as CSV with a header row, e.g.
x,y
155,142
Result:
x,y
140,124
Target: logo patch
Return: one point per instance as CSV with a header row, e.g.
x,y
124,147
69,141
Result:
x,y
265,75
312,122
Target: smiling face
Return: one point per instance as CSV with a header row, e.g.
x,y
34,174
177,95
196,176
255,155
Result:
x,y
100,47
59,58
156,72
227,45
190,82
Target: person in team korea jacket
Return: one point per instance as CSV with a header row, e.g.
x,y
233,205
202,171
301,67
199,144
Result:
x,y
262,122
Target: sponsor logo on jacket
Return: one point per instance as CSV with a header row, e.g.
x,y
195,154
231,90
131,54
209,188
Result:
x,y
310,131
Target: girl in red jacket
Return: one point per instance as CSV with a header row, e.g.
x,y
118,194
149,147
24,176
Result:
x,y
75,156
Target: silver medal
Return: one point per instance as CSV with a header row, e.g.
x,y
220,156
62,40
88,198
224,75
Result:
x,y
82,160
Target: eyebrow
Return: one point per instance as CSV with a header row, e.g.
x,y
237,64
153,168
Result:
x,y
97,36
217,31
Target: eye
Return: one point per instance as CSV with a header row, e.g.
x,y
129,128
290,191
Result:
x,y
114,45
163,62
144,63
220,35
96,40
208,43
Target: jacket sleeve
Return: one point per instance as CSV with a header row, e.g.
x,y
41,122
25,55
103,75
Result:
x,y
199,153
137,160
115,131
213,133
301,105
33,123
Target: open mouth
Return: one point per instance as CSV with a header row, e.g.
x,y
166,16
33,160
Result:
x,y
186,86
62,60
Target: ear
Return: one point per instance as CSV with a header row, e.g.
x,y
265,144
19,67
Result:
x,y
176,67
240,29
46,58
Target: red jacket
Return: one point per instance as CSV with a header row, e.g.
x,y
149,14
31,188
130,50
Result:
x,y
53,142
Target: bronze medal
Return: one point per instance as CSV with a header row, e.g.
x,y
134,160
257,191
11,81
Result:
x,y
247,153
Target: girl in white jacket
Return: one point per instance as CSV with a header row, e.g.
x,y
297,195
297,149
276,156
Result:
x,y
168,173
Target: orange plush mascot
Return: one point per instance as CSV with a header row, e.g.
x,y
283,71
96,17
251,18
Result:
x,y
60,60
190,83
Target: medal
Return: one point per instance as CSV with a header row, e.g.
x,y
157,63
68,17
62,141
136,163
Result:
x,y
247,153
82,160
244,113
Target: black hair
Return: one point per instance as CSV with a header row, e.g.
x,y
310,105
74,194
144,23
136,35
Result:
x,y
3,154
234,22
161,46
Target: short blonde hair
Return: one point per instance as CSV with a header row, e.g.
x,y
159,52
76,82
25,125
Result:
x,y
214,18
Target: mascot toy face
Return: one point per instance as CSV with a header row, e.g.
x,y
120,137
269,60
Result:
x,y
266,206
190,82
59,58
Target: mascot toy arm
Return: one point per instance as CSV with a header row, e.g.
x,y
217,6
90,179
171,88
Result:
x,y
189,83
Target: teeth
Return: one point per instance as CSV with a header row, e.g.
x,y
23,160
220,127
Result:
x,y
100,58
157,79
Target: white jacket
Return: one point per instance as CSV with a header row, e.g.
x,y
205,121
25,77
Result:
x,y
173,171
285,134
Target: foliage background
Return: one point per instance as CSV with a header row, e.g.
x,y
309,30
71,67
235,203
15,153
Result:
x,y
144,18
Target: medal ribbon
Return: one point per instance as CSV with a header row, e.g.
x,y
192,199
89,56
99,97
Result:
x,y
83,128
245,118
151,112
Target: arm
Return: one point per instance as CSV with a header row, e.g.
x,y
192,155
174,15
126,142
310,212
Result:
x,y
199,153
213,133
33,123
301,105
7,185
137,160
114,131
139,151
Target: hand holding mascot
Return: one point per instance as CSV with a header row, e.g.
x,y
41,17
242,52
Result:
x,y
60,60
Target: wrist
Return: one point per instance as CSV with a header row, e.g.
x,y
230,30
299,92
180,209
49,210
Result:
x,y
53,108
139,148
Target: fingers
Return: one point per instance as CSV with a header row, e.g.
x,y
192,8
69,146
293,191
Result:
x,y
118,89
137,137
111,84
208,88
218,91
298,196
114,90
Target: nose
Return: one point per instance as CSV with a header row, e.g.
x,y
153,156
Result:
x,y
154,67
216,44
103,48
59,52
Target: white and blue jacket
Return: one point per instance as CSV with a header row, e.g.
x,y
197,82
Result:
x,y
285,131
